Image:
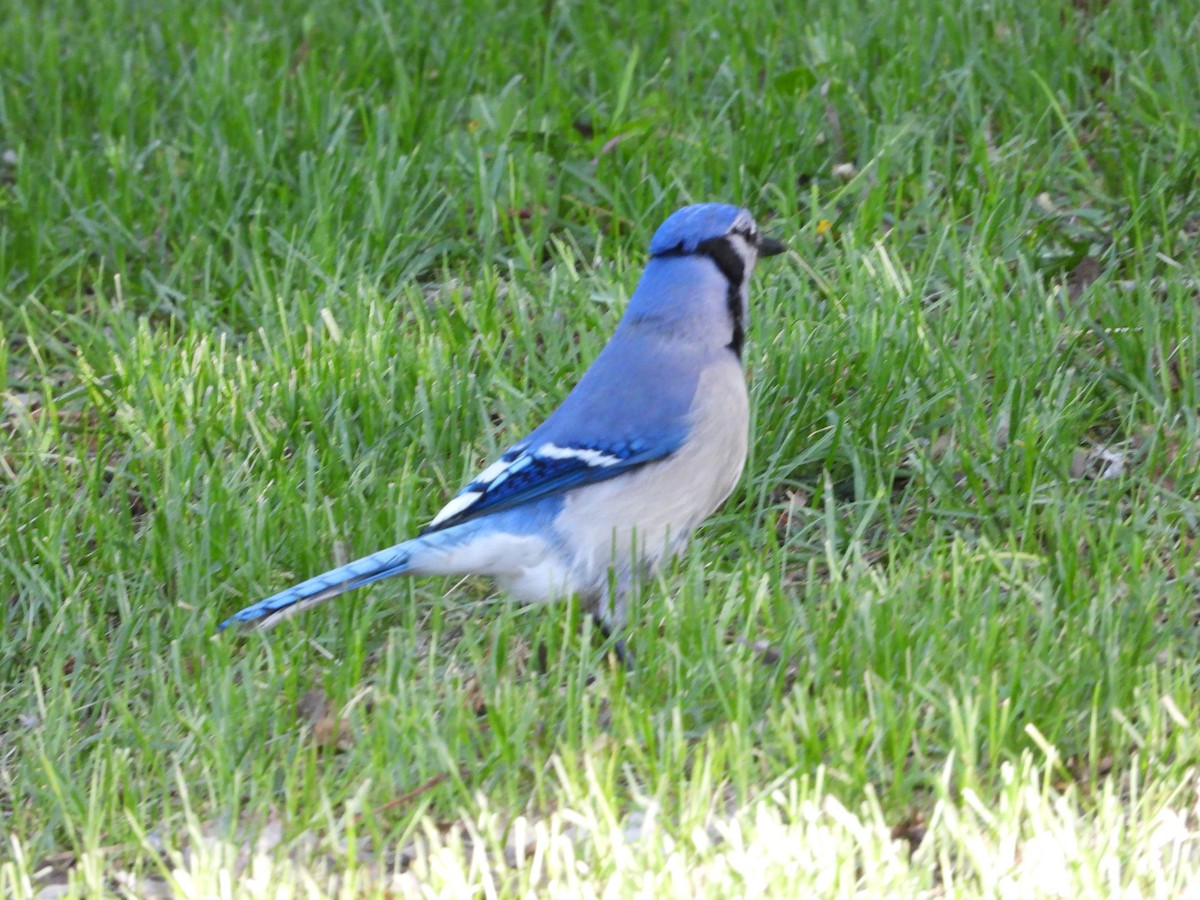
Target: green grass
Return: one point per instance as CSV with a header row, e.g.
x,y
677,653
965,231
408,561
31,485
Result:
x,y
275,279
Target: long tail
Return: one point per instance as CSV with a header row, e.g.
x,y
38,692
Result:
x,y
384,564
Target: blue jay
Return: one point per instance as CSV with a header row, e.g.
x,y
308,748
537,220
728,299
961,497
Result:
x,y
649,443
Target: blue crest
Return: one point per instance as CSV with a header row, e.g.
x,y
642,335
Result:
x,y
688,228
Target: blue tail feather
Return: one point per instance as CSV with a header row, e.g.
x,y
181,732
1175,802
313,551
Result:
x,y
435,553
383,564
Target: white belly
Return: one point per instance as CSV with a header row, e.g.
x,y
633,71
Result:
x,y
633,521
624,526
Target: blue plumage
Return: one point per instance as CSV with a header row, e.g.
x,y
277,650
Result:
x,y
361,572
688,228
650,441
549,468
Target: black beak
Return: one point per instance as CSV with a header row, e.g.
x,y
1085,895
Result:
x,y
770,247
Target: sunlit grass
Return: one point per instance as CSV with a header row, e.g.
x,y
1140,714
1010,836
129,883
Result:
x,y
274,281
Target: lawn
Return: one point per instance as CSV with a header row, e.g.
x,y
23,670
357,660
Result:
x,y
277,278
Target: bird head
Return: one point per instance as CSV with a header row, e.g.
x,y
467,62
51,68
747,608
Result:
x,y
714,229
695,283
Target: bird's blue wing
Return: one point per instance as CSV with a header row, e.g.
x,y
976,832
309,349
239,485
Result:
x,y
624,413
529,473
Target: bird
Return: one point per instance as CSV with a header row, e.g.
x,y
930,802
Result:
x,y
649,443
